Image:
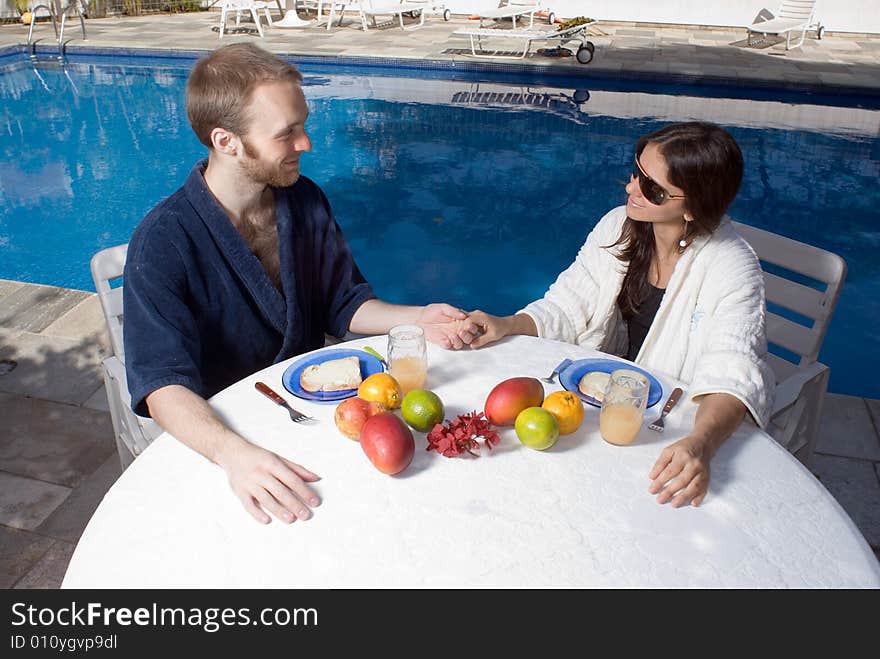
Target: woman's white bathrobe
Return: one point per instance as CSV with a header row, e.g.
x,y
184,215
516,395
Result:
x,y
709,330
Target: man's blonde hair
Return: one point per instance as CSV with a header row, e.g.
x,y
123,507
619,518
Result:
x,y
221,84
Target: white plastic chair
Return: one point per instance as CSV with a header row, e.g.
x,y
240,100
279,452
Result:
x,y
133,433
330,7
792,16
800,386
251,6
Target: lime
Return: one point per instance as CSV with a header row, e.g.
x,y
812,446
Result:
x,y
422,409
536,428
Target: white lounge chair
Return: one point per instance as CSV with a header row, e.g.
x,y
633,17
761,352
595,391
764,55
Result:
x,y
525,37
791,17
133,433
512,9
369,9
801,385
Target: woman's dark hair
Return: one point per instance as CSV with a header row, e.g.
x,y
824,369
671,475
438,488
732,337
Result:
x,y
705,162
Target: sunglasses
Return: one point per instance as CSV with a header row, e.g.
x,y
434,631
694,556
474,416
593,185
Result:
x,y
651,190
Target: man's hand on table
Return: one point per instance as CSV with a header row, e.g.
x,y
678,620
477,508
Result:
x,y
266,482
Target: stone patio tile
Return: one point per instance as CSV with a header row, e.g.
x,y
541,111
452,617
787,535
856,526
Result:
x,y
846,429
86,319
635,32
52,442
25,503
49,571
98,401
52,368
69,519
7,287
19,551
874,410
855,485
33,307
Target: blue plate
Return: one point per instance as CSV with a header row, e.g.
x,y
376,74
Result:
x,y
290,378
572,374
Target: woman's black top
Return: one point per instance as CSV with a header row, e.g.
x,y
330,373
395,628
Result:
x,y
640,322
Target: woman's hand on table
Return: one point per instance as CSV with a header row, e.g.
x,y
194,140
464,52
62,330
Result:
x,y
681,473
267,483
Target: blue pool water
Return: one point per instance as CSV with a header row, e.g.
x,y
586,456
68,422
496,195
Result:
x,y
475,190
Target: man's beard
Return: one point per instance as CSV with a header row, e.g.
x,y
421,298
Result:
x,y
266,173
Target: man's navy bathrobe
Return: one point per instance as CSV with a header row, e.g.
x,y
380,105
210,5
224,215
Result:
x,y
200,309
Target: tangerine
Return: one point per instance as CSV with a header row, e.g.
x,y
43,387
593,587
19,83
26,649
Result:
x,y
567,408
381,388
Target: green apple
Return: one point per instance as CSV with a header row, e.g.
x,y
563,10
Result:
x,y
536,428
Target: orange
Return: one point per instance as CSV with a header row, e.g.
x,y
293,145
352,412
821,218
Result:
x,y
381,388
422,409
567,408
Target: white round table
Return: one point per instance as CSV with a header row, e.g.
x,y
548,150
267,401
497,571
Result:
x,y
577,515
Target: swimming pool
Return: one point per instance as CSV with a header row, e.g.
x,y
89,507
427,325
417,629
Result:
x,y
475,189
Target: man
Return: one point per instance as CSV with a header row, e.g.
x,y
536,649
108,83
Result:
x,y
242,267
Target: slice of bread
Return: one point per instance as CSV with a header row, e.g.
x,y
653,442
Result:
x,y
593,384
332,375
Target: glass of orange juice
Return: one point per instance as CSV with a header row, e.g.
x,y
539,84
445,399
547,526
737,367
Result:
x,y
623,407
408,356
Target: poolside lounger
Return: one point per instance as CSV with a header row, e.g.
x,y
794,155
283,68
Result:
x,y
369,9
792,16
512,9
584,52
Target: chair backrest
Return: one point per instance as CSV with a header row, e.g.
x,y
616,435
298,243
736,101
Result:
x,y
810,301
107,266
800,10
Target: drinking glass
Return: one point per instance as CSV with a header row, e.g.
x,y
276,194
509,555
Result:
x,y
623,407
408,356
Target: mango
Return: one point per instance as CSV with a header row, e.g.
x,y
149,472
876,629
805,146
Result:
x,y
511,397
388,443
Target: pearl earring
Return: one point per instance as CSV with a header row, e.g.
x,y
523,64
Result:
x,y
687,220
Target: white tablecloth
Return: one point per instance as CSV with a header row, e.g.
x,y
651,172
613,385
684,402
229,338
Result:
x,y
577,515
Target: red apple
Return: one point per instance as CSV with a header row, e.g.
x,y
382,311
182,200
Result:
x,y
352,413
511,397
388,443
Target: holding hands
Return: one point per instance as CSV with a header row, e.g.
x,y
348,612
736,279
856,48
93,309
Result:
x,y
447,326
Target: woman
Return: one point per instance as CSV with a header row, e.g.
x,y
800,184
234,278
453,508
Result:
x,y
666,282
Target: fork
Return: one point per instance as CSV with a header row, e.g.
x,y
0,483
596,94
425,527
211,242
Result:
x,y
295,415
562,365
658,425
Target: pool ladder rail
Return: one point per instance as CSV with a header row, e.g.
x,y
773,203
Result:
x,y
76,6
